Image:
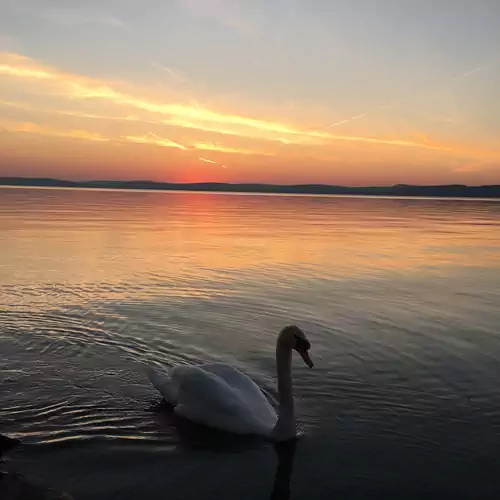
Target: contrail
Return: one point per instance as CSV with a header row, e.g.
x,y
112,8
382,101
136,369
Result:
x,y
471,72
206,160
152,138
401,99
346,120
173,73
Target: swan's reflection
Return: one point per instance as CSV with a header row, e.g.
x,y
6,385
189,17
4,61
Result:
x,y
285,452
197,436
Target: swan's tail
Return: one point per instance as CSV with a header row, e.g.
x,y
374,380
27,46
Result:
x,y
163,383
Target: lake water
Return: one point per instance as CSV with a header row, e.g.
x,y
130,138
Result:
x,y
399,298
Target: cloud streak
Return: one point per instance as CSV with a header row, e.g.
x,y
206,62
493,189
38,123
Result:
x,y
84,135
34,128
83,88
173,73
140,111
398,100
206,160
155,140
347,120
225,149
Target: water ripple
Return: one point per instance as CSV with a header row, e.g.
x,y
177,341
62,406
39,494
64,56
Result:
x,y
398,297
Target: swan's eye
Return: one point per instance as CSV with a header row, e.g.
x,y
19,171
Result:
x,y
301,344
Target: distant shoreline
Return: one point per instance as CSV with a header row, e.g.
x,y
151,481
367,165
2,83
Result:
x,y
444,191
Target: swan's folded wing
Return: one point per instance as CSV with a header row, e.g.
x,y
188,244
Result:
x,y
206,397
241,382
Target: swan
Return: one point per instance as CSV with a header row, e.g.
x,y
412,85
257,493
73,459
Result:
x,y
220,396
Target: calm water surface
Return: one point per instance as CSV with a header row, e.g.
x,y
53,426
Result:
x,y
399,297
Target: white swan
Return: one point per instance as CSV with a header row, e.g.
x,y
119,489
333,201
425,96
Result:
x,y
222,397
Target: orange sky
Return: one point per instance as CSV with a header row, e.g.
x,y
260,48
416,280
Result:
x,y
70,118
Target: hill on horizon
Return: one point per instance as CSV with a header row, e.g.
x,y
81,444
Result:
x,y
447,190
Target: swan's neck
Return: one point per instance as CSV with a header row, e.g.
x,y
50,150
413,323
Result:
x,y
284,369
285,426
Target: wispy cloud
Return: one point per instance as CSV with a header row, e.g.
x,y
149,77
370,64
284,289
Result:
x,y
407,143
475,166
34,128
471,72
85,135
414,97
137,108
206,146
385,106
156,140
206,160
83,88
151,138
173,73
163,142
347,120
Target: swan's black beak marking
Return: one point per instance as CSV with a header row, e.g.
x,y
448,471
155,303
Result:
x,y
302,346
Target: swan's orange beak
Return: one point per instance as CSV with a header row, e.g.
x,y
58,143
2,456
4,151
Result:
x,y
305,356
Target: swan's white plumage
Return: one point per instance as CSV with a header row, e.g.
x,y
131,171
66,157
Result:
x,y
217,395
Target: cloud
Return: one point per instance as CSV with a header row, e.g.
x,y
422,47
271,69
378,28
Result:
x,y
206,146
347,120
34,128
173,73
156,140
16,65
206,160
138,108
471,72
183,115
419,95
473,166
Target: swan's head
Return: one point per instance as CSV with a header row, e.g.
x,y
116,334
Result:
x,y
298,341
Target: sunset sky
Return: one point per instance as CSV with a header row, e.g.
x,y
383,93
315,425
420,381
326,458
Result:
x,y
358,92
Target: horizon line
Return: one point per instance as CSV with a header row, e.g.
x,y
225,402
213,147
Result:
x,y
489,191
249,183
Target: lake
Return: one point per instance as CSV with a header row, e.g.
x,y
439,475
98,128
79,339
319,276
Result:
x,y
399,298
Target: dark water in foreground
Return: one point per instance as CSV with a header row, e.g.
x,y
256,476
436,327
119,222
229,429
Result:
x,y
399,297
